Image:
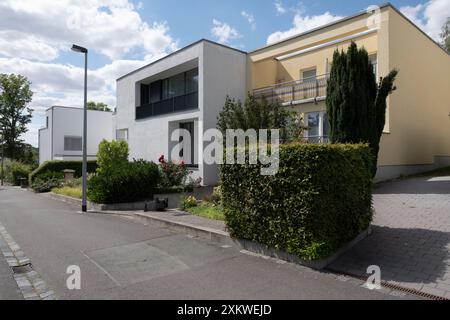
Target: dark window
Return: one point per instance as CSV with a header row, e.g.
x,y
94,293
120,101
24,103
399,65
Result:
x,y
145,93
155,91
72,143
189,126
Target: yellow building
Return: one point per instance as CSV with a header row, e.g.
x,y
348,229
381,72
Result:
x,y
417,133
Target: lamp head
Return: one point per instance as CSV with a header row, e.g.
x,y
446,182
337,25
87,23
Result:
x,y
79,49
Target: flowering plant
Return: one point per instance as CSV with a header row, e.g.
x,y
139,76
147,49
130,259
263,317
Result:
x,y
173,174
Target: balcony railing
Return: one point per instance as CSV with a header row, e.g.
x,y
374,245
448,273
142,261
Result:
x,y
294,91
175,104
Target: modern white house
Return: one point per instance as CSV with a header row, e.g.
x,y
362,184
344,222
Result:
x,y
61,138
184,90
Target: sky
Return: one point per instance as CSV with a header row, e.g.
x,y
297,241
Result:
x,y
122,35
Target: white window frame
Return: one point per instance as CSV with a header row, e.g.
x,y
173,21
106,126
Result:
x,y
126,134
321,124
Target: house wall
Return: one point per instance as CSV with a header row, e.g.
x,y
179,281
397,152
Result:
x,y
221,72
67,121
45,139
416,136
419,136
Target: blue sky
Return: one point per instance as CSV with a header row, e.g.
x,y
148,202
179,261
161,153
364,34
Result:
x,y
36,35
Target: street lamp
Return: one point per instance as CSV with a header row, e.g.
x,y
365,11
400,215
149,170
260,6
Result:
x,y
84,166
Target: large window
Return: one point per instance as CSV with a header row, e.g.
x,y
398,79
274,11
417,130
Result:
x,y
317,127
309,75
175,86
72,143
188,147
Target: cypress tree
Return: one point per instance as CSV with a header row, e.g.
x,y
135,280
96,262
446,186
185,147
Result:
x,y
356,105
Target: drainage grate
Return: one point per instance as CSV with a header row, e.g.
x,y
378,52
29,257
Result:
x,y
395,287
23,269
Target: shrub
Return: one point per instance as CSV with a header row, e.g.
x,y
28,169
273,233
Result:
x,y
112,156
134,182
46,185
188,202
50,175
15,170
319,200
60,165
172,174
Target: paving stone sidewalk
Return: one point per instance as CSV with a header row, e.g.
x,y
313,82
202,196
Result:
x,y
411,236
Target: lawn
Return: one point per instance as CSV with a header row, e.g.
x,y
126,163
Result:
x,y
207,210
74,192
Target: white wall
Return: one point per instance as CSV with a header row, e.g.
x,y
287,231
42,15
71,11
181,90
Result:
x,y
221,71
67,121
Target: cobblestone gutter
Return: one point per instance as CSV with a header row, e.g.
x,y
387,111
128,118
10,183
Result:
x,y
29,282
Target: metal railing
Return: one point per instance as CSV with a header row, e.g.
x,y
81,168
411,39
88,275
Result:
x,y
294,90
316,139
175,104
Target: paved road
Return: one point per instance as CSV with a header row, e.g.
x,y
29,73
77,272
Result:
x,y
121,258
411,238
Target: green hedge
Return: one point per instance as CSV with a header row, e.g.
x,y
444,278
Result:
x,y
60,165
137,181
319,200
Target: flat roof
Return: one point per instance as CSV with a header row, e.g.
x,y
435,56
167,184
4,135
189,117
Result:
x,y
66,107
178,51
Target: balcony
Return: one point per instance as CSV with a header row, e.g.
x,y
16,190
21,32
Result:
x,y
295,92
175,104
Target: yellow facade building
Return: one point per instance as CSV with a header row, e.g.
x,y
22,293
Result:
x,y
417,133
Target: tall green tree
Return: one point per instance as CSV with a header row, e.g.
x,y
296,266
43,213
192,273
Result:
x,y
99,106
259,114
15,95
445,35
356,105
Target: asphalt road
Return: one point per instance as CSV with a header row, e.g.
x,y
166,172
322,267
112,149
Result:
x,y
120,258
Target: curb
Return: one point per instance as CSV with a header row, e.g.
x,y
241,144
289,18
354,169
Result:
x,y
193,230
30,284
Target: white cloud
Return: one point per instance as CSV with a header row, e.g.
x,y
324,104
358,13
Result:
x,y
224,32
279,7
302,24
110,27
33,34
429,16
250,19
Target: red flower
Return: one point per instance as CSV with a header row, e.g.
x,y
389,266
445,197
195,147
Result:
x,y
161,159
182,162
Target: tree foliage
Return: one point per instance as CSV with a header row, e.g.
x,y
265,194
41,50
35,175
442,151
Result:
x,y
15,95
356,105
99,106
254,114
445,35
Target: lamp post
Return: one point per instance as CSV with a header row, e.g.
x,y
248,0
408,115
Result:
x,y
84,166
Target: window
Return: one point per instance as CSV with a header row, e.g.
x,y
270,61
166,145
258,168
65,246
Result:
x,y
318,127
122,134
374,62
145,93
46,122
72,143
309,75
192,81
188,155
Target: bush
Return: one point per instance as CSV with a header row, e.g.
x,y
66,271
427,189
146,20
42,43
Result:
x,y
15,170
188,202
172,174
319,200
112,156
136,181
40,185
60,165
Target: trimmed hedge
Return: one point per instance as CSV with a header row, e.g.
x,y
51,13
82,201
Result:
x,y
60,165
137,181
319,200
